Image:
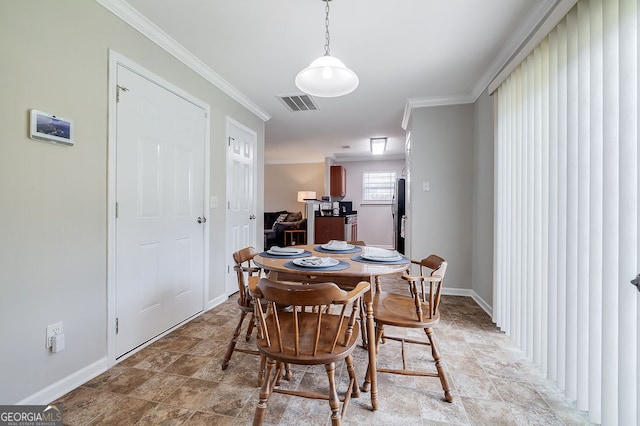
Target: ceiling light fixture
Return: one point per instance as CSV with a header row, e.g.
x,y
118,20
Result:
x,y
378,145
327,76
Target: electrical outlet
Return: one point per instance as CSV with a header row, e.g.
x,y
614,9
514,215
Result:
x,y
53,330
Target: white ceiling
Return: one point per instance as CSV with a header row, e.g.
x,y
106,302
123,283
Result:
x,y
429,51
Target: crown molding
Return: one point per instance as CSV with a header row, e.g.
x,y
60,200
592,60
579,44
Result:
x,y
536,18
140,23
553,15
413,103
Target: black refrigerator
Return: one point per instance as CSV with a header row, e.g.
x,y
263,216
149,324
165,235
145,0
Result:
x,y
398,213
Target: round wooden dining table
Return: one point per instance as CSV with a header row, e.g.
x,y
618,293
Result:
x,y
352,270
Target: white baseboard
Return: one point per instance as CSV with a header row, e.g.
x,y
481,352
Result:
x,y
215,302
448,291
469,293
66,385
484,305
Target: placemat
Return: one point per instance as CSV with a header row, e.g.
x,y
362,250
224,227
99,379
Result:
x,y
339,267
356,249
359,258
288,256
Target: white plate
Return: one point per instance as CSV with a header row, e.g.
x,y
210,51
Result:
x,y
372,256
286,253
303,262
333,248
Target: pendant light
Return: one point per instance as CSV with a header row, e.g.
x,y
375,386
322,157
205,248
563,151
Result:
x,y
327,76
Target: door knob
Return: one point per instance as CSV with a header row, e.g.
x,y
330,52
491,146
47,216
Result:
x,y
202,219
251,217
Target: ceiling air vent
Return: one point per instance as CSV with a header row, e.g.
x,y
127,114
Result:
x,y
299,102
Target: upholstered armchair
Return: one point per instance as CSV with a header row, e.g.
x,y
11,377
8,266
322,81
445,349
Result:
x,y
275,223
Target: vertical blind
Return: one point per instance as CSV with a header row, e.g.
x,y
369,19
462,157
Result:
x,y
566,208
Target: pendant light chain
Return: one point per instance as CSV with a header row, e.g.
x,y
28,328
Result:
x,y
327,49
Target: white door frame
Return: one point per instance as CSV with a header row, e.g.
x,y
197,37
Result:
x,y
116,59
228,251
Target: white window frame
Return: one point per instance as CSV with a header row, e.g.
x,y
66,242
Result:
x,y
367,187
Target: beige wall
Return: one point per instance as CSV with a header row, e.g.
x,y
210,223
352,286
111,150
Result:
x,y
283,181
53,256
442,143
482,262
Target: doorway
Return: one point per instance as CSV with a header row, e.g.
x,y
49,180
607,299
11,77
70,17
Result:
x,y
241,195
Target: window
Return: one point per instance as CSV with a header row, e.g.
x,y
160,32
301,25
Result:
x,y
378,187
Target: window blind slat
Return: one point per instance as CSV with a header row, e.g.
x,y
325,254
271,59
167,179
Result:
x,y
583,212
595,211
628,320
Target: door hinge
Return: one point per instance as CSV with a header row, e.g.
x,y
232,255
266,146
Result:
x,y
116,325
117,209
118,89
230,139
228,269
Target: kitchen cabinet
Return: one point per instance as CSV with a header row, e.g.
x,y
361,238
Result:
x,y
338,181
329,228
342,228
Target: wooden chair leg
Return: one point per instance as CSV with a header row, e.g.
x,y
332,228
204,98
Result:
x,y
287,372
355,390
334,400
363,326
367,378
252,323
265,391
441,373
278,379
234,340
261,372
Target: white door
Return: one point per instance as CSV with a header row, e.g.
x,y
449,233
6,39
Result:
x,y
241,195
160,204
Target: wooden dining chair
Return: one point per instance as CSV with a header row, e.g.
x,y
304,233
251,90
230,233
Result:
x,y
317,330
244,268
417,309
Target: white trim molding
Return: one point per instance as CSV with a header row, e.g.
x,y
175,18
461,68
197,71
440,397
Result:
x,y
66,384
430,102
553,15
466,292
536,20
140,23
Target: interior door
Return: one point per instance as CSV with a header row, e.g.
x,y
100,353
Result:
x,y
241,195
159,216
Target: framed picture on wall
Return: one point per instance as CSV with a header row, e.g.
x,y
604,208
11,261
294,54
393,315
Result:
x,y
50,128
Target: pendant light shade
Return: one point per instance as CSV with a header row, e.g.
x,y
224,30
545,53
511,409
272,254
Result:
x,y
327,77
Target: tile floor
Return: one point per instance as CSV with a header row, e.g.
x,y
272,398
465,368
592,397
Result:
x,y
178,380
